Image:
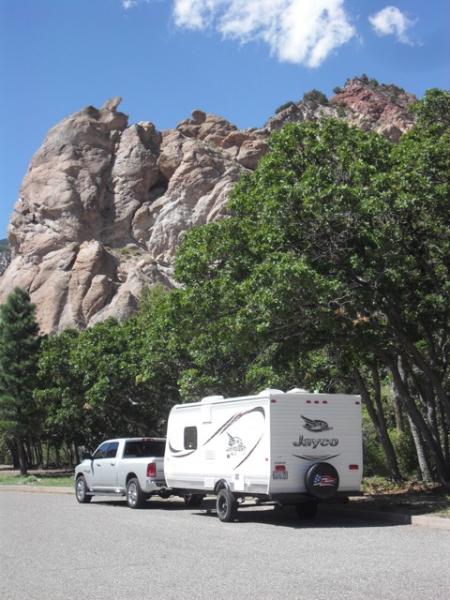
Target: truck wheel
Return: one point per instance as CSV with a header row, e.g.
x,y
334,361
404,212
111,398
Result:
x,y
226,506
81,491
307,510
135,497
193,500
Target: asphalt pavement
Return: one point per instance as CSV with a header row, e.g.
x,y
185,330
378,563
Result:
x,y
52,548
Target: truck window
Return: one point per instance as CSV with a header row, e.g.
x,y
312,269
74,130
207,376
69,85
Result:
x,y
101,451
144,448
190,438
111,450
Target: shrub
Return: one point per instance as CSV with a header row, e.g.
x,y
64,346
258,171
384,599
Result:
x,y
315,97
284,106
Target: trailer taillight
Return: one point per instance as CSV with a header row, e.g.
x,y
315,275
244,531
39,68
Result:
x,y
151,470
280,467
353,467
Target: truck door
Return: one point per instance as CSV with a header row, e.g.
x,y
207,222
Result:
x,y
104,466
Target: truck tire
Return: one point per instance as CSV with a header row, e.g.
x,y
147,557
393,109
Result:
x,y
226,506
306,510
322,481
135,497
193,500
81,491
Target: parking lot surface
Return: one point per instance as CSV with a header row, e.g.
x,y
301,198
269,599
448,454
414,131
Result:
x,y
52,548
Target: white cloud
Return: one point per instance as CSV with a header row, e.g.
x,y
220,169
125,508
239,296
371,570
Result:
x,y
296,31
391,21
127,4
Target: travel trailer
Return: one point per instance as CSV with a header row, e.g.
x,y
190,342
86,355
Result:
x,y
296,448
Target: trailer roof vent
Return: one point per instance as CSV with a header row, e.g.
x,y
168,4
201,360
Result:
x,y
297,391
270,391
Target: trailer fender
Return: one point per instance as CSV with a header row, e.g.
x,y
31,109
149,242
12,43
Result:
x,y
221,484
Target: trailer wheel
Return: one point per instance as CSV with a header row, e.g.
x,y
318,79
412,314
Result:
x,y
226,506
135,497
307,510
193,500
322,481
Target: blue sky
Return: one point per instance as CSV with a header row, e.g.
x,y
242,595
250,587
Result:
x,y
237,58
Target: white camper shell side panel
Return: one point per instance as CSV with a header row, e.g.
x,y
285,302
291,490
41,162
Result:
x,y
263,445
311,428
232,444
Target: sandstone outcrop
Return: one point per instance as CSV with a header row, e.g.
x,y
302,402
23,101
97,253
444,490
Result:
x,y
362,102
105,204
5,256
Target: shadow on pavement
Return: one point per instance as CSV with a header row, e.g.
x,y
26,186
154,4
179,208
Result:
x,y
268,515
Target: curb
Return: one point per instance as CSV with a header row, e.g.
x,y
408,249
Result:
x,y
386,516
35,489
434,522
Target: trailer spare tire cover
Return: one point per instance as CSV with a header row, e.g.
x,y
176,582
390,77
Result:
x,y
322,481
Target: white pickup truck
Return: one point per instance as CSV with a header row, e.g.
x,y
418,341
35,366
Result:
x,y
131,467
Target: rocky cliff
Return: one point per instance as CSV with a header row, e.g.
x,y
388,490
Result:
x,y
104,204
5,256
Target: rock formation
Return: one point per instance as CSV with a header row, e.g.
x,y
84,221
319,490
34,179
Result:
x,y
5,256
105,204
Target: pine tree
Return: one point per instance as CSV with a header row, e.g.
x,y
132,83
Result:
x,y
19,347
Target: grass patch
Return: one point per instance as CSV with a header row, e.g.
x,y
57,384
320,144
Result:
x,y
36,480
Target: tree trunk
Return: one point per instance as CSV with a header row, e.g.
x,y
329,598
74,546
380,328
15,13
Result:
x,y
422,459
47,459
445,432
398,413
419,359
12,447
442,468
379,423
23,463
424,465
76,453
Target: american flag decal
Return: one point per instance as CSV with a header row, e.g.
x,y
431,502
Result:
x,y
324,480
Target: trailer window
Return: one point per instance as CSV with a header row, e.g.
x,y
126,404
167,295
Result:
x,y
190,438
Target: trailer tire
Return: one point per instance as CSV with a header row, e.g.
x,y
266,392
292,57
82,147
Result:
x,y
193,500
322,481
135,496
306,510
226,505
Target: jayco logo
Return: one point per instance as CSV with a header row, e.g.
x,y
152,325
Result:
x,y
315,426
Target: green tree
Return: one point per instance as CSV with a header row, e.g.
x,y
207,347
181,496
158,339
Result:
x,y
111,379
60,392
337,246
19,348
